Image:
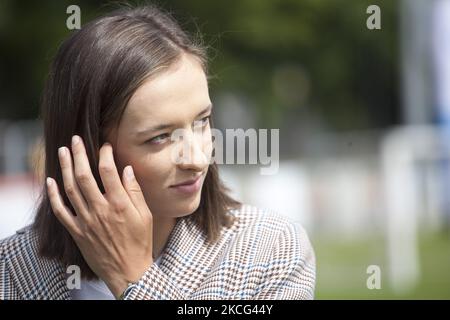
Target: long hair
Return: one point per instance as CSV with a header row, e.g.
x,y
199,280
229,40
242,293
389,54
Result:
x,y
92,77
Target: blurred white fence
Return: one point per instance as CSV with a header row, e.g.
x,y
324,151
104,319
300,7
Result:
x,y
388,183
18,187
348,192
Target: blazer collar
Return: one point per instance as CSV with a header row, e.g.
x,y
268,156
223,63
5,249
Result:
x,y
189,256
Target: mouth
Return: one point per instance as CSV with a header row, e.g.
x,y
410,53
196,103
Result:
x,y
189,186
187,182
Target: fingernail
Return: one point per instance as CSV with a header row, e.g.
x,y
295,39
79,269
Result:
x,y
61,151
49,181
108,144
75,140
129,172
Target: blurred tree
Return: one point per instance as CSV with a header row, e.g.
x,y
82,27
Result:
x,y
297,60
352,70
30,32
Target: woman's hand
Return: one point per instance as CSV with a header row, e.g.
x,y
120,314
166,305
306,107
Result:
x,y
112,230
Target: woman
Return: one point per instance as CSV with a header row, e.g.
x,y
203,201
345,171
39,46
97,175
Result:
x,y
117,207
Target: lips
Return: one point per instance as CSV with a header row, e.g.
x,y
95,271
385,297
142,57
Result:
x,y
187,182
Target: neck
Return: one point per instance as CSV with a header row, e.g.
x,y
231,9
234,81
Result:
x,y
162,228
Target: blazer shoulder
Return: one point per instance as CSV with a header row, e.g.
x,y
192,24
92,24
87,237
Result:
x,y
16,244
249,216
269,228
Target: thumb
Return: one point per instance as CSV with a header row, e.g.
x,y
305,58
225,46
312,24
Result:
x,y
134,190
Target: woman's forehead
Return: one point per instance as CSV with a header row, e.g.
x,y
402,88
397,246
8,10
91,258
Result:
x,y
179,92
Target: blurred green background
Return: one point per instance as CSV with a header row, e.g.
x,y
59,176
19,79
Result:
x,y
258,49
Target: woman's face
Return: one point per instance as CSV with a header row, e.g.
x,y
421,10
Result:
x,y
177,97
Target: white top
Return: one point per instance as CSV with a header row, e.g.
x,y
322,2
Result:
x,y
95,289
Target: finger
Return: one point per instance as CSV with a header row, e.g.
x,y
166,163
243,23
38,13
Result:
x,y
134,190
83,173
114,189
60,210
70,184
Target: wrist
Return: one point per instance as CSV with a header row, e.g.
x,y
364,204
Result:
x,y
117,287
125,292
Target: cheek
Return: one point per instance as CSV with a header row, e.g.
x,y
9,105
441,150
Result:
x,y
153,171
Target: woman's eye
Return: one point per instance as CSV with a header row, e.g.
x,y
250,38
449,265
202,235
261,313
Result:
x,y
205,120
162,137
159,139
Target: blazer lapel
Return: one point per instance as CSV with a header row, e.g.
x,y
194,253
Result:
x,y
188,257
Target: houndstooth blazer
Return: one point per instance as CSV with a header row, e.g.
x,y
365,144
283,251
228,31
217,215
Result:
x,y
261,256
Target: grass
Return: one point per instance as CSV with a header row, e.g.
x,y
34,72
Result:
x,y
342,265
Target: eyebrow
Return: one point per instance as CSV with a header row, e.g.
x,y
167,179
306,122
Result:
x,y
169,125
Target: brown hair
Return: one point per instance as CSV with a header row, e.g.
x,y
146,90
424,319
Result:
x,y
92,77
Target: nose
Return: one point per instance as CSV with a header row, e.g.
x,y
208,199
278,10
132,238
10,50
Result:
x,y
190,152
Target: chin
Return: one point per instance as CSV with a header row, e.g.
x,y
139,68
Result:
x,y
180,209
189,208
